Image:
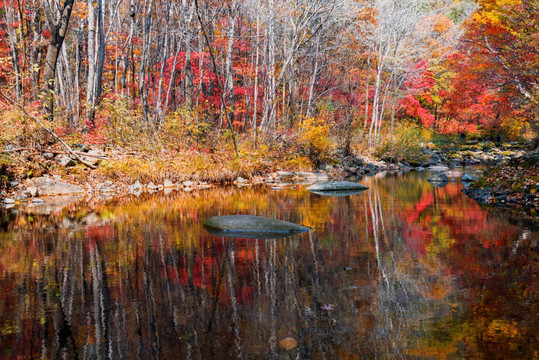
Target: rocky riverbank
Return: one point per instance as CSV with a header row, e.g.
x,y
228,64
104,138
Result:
x,y
59,175
514,183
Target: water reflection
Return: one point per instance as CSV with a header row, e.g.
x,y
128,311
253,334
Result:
x,y
403,270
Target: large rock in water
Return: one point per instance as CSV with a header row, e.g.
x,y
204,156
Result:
x,y
47,186
439,179
333,187
248,226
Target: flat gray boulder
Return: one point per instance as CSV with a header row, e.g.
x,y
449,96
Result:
x,y
47,187
338,193
334,186
252,226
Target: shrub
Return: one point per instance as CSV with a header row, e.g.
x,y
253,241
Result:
x,y
120,125
405,143
314,138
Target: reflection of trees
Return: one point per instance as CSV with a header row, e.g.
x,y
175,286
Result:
x,y
402,270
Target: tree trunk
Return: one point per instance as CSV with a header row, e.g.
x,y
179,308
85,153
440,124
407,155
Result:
x,y
229,75
90,86
101,54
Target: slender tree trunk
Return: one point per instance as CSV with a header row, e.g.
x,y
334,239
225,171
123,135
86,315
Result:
x,y
144,83
8,18
229,75
101,54
188,16
367,79
90,86
35,54
314,76
58,31
158,111
257,60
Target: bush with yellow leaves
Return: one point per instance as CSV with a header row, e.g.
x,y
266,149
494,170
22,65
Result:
x,y
314,139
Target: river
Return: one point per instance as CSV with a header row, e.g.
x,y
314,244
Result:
x,y
404,270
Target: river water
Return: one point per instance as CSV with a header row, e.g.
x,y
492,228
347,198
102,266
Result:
x,y
404,270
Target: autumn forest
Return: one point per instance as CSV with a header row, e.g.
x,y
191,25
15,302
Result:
x,y
269,179
267,68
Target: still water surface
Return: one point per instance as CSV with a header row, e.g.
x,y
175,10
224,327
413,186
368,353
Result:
x,y
404,270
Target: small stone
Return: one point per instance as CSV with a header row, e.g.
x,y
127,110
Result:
x,y
48,156
13,183
97,153
241,180
106,187
80,147
469,177
65,161
9,201
136,186
188,184
168,184
438,168
30,192
152,186
37,201
285,174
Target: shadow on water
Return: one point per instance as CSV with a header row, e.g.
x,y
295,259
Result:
x,y
403,270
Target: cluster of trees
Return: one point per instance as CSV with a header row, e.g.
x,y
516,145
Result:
x,y
267,65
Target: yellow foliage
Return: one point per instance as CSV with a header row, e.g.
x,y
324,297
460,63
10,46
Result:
x,y
404,143
513,128
499,330
314,137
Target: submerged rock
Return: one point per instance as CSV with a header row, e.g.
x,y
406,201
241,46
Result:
x,y
439,179
336,186
252,226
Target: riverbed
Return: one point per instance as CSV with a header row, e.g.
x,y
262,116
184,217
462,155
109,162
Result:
x,y
403,270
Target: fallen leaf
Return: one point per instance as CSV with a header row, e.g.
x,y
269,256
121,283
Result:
x,y
288,343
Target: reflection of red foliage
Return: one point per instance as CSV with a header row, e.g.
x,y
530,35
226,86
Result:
x,y
98,234
462,220
417,238
426,200
208,269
